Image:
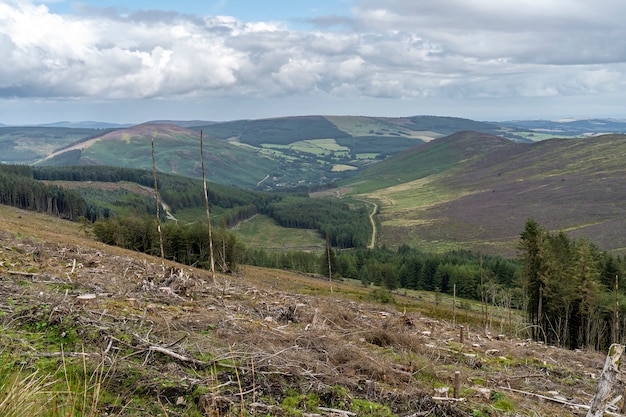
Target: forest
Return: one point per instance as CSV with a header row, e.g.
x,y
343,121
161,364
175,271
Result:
x,y
19,189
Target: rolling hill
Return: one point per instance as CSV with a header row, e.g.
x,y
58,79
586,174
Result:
x,y
278,153
471,190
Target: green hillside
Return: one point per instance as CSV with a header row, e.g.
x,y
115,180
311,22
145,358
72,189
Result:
x,y
267,154
305,152
177,151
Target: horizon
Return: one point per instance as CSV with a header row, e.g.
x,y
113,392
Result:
x,y
68,123
221,60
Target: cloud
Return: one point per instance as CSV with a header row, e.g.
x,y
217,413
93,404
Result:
x,y
394,49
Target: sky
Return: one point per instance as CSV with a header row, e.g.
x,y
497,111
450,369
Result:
x,y
133,61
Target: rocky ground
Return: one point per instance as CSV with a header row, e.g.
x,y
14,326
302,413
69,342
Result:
x,y
171,342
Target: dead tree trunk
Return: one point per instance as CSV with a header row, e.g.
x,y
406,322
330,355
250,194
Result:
x,y
156,202
608,380
208,215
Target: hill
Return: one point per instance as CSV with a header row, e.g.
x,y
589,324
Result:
x,y
176,151
97,329
471,190
283,152
566,127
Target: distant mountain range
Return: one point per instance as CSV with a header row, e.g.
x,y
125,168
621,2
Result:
x,y
86,125
561,127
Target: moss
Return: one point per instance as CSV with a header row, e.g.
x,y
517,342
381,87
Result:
x,y
294,404
369,408
502,402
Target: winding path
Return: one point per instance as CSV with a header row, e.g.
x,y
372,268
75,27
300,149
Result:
x,y
372,214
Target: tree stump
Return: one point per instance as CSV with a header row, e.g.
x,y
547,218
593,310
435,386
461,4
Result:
x,y
608,379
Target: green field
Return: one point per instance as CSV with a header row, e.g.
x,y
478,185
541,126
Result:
x,y
263,232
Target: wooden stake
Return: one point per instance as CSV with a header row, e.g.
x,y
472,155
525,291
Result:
x,y
616,314
461,338
457,384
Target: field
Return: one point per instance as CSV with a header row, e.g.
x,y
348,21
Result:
x,y
262,232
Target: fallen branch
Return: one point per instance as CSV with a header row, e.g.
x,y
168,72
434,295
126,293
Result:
x,y
448,399
23,274
556,400
184,358
337,411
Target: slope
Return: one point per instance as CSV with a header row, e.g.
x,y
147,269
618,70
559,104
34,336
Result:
x,y
437,156
477,193
141,336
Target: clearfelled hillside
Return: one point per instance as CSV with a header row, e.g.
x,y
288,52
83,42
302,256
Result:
x,y
116,332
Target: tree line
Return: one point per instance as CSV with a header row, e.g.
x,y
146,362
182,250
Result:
x,y
344,224
184,243
470,273
19,189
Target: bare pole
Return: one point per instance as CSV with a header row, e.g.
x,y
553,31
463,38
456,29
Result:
x,y
208,215
330,268
454,304
156,202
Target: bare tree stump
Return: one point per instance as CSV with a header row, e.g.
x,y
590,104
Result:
x,y
371,389
608,379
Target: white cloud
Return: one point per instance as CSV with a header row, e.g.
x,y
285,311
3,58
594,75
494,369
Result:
x,y
405,49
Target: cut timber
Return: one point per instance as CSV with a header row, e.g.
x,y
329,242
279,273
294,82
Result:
x,y
608,380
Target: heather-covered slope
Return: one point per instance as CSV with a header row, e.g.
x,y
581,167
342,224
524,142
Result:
x,y
469,190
